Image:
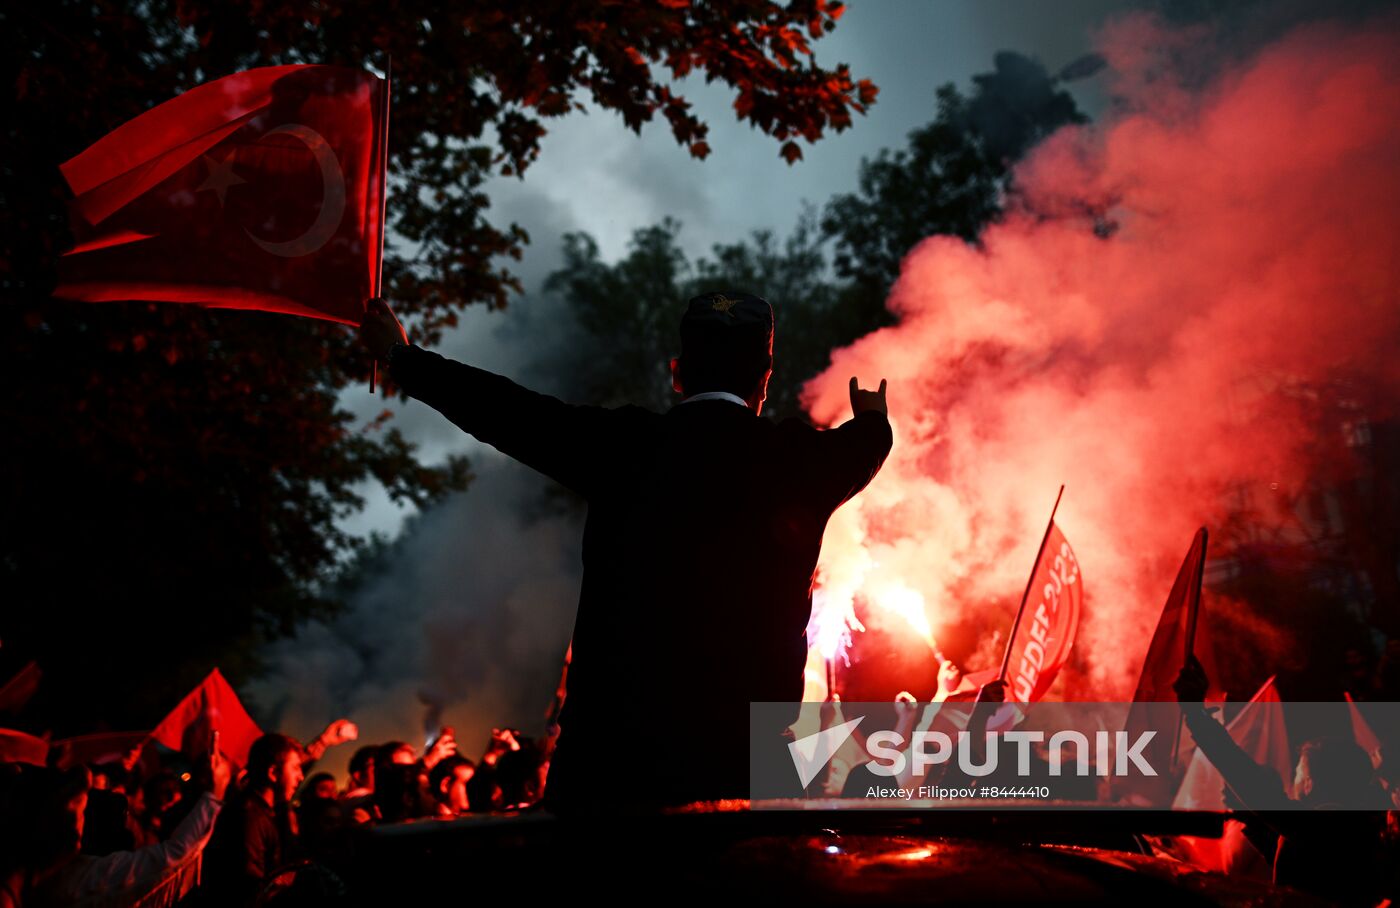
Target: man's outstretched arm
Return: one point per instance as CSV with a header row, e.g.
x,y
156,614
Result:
x,y
1257,787
540,431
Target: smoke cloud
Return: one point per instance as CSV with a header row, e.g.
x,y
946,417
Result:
x,y
1141,327
467,627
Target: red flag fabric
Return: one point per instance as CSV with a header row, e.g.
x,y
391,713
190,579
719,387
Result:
x,y
260,190
18,691
101,747
18,747
1045,634
212,706
1172,641
1361,730
1154,701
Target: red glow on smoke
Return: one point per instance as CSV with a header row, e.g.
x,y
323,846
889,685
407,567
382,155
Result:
x,y
1254,249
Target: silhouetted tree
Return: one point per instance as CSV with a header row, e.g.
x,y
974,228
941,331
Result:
x,y
952,179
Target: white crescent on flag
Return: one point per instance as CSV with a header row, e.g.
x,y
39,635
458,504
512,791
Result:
x,y
332,200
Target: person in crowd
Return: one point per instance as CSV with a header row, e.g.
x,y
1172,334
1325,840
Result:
x,y
401,792
109,776
358,797
161,801
361,770
403,753
254,835
394,753
912,720
107,824
41,826
448,782
323,833
1327,839
121,877
484,789
321,786
517,777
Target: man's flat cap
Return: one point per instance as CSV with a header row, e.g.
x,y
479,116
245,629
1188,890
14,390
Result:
x,y
711,311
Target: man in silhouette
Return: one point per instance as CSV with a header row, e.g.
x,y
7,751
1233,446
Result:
x,y
700,548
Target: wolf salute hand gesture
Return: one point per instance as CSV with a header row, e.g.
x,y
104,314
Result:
x,y
861,401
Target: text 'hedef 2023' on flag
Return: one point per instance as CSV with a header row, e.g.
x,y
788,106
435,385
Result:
x,y
1048,619
260,190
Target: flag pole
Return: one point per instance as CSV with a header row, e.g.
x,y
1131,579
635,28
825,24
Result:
x,y
1200,578
383,142
1191,616
1025,597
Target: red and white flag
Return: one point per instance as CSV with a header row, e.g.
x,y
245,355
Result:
x,y
1049,618
260,190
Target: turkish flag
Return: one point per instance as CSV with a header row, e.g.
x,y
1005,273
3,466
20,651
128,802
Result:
x,y
260,190
210,707
1048,622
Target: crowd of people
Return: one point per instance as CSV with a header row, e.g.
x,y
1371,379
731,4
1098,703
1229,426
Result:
x,y
159,827
154,829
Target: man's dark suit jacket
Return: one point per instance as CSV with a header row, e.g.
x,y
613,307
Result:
x,y
699,553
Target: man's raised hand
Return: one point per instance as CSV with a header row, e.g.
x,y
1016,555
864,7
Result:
x,y
862,401
220,774
444,747
1191,685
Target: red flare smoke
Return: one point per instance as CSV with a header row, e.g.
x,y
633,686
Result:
x,y
1247,246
